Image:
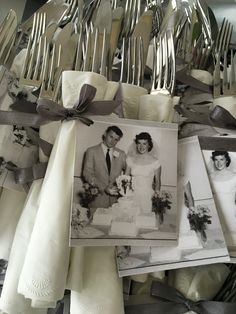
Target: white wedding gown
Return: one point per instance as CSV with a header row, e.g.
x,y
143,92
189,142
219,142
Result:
x,y
142,180
225,194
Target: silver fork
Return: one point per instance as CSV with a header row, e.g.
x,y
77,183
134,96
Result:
x,y
225,84
7,35
50,88
32,72
163,74
224,36
131,16
132,62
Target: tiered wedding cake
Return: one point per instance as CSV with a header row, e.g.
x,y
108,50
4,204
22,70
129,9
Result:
x,y
124,217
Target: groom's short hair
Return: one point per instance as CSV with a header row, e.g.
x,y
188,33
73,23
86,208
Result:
x,y
115,129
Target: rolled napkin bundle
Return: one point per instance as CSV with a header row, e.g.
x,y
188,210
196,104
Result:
x,y
10,300
130,96
44,273
202,76
189,290
199,283
158,108
102,289
226,102
11,206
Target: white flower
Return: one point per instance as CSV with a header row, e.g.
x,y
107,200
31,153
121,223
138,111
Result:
x,y
116,154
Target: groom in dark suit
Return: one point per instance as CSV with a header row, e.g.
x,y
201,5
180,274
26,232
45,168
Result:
x,y
103,164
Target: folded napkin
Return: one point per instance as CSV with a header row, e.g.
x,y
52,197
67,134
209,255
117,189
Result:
x,y
199,283
44,274
102,289
10,300
202,76
130,96
228,103
158,108
11,206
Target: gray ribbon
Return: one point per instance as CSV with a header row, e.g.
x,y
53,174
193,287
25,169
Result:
x,y
184,77
49,110
85,106
34,137
217,117
171,301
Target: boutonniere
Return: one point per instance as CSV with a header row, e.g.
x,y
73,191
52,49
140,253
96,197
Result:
x,y
116,154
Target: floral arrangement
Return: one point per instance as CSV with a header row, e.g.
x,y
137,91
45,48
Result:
x,y
88,194
161,201
199,218
124,184
80,217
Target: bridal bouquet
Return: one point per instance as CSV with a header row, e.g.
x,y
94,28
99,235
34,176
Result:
x,y
161,201
199,218
124,184
88,194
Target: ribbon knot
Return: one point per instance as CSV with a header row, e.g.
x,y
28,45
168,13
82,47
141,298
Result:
x,y
171,301
85,105
191,306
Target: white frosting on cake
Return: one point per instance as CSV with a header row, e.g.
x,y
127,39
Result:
x,y
160,254
102,216
123,228
124,217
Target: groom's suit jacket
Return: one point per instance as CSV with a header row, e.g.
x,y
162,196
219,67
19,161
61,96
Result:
x,y
95,171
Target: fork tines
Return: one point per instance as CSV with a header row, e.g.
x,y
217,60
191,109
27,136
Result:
x,y
32,68
224,37
51,72
224,82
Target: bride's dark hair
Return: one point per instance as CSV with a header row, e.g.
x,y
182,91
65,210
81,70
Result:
x,y
221,153
144,136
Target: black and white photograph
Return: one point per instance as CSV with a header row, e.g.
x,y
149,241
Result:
x,y
3,269
125,183
201,239
16,149
221,168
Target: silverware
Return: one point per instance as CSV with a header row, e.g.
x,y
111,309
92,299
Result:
x,y
225,86
163,74
31,72
7,36
50,88
117,16
55,13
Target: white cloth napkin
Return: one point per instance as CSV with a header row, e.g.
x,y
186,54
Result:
x,y
102,289
10,300
44,274
199,283
228,103
202,75
130,95
158,108
11,206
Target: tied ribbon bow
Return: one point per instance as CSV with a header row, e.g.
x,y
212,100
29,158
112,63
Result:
x,y
50,110
169,300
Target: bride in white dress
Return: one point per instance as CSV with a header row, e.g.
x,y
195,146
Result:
x,y
223,181
145,169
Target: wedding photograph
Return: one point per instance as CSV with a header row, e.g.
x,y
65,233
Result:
x,y
201,239
221,168
125,181
16,149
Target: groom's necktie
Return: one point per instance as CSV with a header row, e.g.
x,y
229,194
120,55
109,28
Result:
x,y
108,161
